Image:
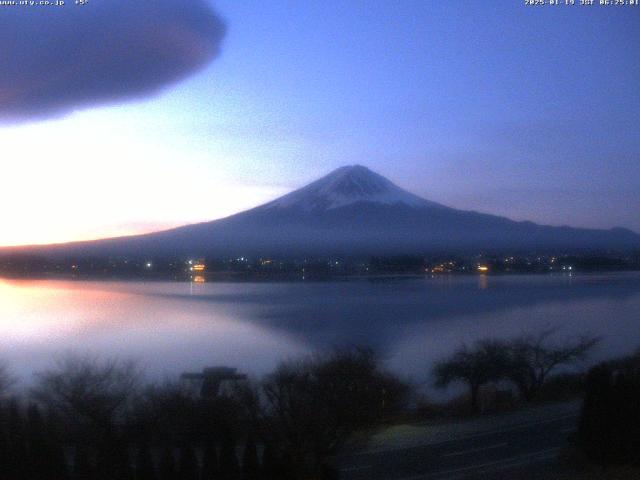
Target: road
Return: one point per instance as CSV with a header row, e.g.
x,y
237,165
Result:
x,y
491,453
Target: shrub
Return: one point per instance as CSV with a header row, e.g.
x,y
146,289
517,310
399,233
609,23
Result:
x,y
609,429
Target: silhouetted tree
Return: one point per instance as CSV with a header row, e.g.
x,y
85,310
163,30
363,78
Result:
x,y
329,472
209,462
229,468
269,468
188,464
532,358
89,395
313,407
17,467
250,462
484,362
609,428
170,414
40,461
4,443
277,465
114,462
144,466
83,468
58,467
168,469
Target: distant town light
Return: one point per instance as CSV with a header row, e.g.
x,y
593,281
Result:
x,y
149,265
483,268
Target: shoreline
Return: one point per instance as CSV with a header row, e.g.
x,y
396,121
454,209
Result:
x,y
294,278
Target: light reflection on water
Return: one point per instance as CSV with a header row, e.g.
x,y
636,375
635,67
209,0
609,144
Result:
x,y
172,327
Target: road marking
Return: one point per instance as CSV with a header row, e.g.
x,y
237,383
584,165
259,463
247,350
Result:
x,y
510,428
501,464
473,450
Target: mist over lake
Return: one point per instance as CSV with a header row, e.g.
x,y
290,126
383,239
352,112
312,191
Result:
x,y
171,327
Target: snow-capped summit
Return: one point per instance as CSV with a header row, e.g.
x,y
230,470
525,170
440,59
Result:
x,y
345,186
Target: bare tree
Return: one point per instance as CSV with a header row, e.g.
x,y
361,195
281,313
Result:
x,y
165,411
314,406
90,393
533,357
484,362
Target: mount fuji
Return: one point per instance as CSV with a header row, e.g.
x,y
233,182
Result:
x,y
346,186
350,211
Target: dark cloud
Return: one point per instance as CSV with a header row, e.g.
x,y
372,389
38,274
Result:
x,y
57,59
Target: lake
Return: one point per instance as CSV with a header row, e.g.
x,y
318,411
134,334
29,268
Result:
x,y
172,327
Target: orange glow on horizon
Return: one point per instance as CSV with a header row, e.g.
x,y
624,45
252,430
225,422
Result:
x,y
30,235
140,187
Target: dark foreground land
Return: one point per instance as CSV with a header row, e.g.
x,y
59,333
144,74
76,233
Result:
x,y
597,435
322,418
535,444
520,445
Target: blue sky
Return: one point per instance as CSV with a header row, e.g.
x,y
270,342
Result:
x,y
528,112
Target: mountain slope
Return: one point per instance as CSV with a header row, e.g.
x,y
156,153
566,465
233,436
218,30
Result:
x,y
351,211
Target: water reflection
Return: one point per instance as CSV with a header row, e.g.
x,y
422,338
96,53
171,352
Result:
x,y
173,327
39,321
483,282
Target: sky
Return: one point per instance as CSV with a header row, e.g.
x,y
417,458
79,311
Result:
x,y
122,117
